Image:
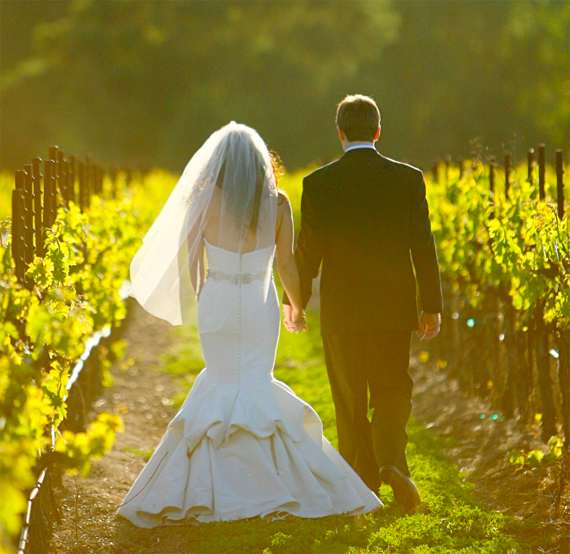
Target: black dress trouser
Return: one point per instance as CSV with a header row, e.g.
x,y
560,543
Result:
x,y
376,362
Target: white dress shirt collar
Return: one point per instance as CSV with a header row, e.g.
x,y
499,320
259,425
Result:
x,y
371,146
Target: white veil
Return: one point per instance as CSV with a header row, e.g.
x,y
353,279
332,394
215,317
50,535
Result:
x,y
230,184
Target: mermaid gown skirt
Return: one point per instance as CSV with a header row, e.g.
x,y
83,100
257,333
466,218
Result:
x,y
242,444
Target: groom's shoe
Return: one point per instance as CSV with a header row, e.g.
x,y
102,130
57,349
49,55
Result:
x,y
405,491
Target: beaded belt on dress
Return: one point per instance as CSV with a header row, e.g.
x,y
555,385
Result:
x,y
236,278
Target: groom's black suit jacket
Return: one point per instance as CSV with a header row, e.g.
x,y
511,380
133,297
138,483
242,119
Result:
x,y
362,216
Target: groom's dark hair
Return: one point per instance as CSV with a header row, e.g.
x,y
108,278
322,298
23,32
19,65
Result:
x,y
359,117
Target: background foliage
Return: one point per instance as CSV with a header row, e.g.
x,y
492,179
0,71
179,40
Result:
x,y
147,82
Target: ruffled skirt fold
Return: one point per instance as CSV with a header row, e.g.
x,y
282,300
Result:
x,y
235,452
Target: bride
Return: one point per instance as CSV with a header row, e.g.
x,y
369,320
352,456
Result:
x,y
242,444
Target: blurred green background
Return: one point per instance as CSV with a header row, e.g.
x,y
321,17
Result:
x,y
146,82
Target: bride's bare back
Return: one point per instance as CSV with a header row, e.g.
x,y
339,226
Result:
x,y
283,227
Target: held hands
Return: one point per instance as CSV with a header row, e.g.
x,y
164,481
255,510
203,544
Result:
x,y
429,323
429,326
294,319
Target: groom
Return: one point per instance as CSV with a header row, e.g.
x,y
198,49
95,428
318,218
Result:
x,y
361,217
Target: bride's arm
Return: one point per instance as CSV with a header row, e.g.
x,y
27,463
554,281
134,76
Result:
x,y
286,260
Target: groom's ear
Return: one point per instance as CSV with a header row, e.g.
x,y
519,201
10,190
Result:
x,y
377,135
341,134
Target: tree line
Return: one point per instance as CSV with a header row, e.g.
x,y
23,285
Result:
x,y
147,82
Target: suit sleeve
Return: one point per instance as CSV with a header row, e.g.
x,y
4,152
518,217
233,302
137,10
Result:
x,y
424,254
310,243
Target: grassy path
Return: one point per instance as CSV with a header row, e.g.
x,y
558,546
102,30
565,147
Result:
x,y
450,519
165,363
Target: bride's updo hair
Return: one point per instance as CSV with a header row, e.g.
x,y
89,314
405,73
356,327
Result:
x,y
278,168
359,118
261,155
278,171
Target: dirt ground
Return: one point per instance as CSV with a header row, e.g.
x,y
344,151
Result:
x,y
141,394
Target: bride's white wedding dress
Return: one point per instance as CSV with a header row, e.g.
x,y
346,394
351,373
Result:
x,y
242,444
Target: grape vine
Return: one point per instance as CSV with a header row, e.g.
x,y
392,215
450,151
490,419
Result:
x,y
43,330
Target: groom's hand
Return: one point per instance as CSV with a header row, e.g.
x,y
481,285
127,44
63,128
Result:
x,y
429,326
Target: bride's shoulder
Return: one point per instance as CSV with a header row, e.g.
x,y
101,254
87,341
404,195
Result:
x,y
283,202
284,212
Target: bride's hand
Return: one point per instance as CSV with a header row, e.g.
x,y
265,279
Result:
x,y
294,320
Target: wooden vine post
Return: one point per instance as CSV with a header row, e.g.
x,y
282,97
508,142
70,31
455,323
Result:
x,y
82,195
447,162
542,352
510,359
37,181
62,168
530,164
113,173
563,337
508,169
541,171
435,171
28,215
492,164
525,382
18,199
560,183
542,344
50,197
72,178
564,379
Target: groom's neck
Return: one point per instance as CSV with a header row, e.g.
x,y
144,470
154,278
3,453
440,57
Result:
x,y
346,144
